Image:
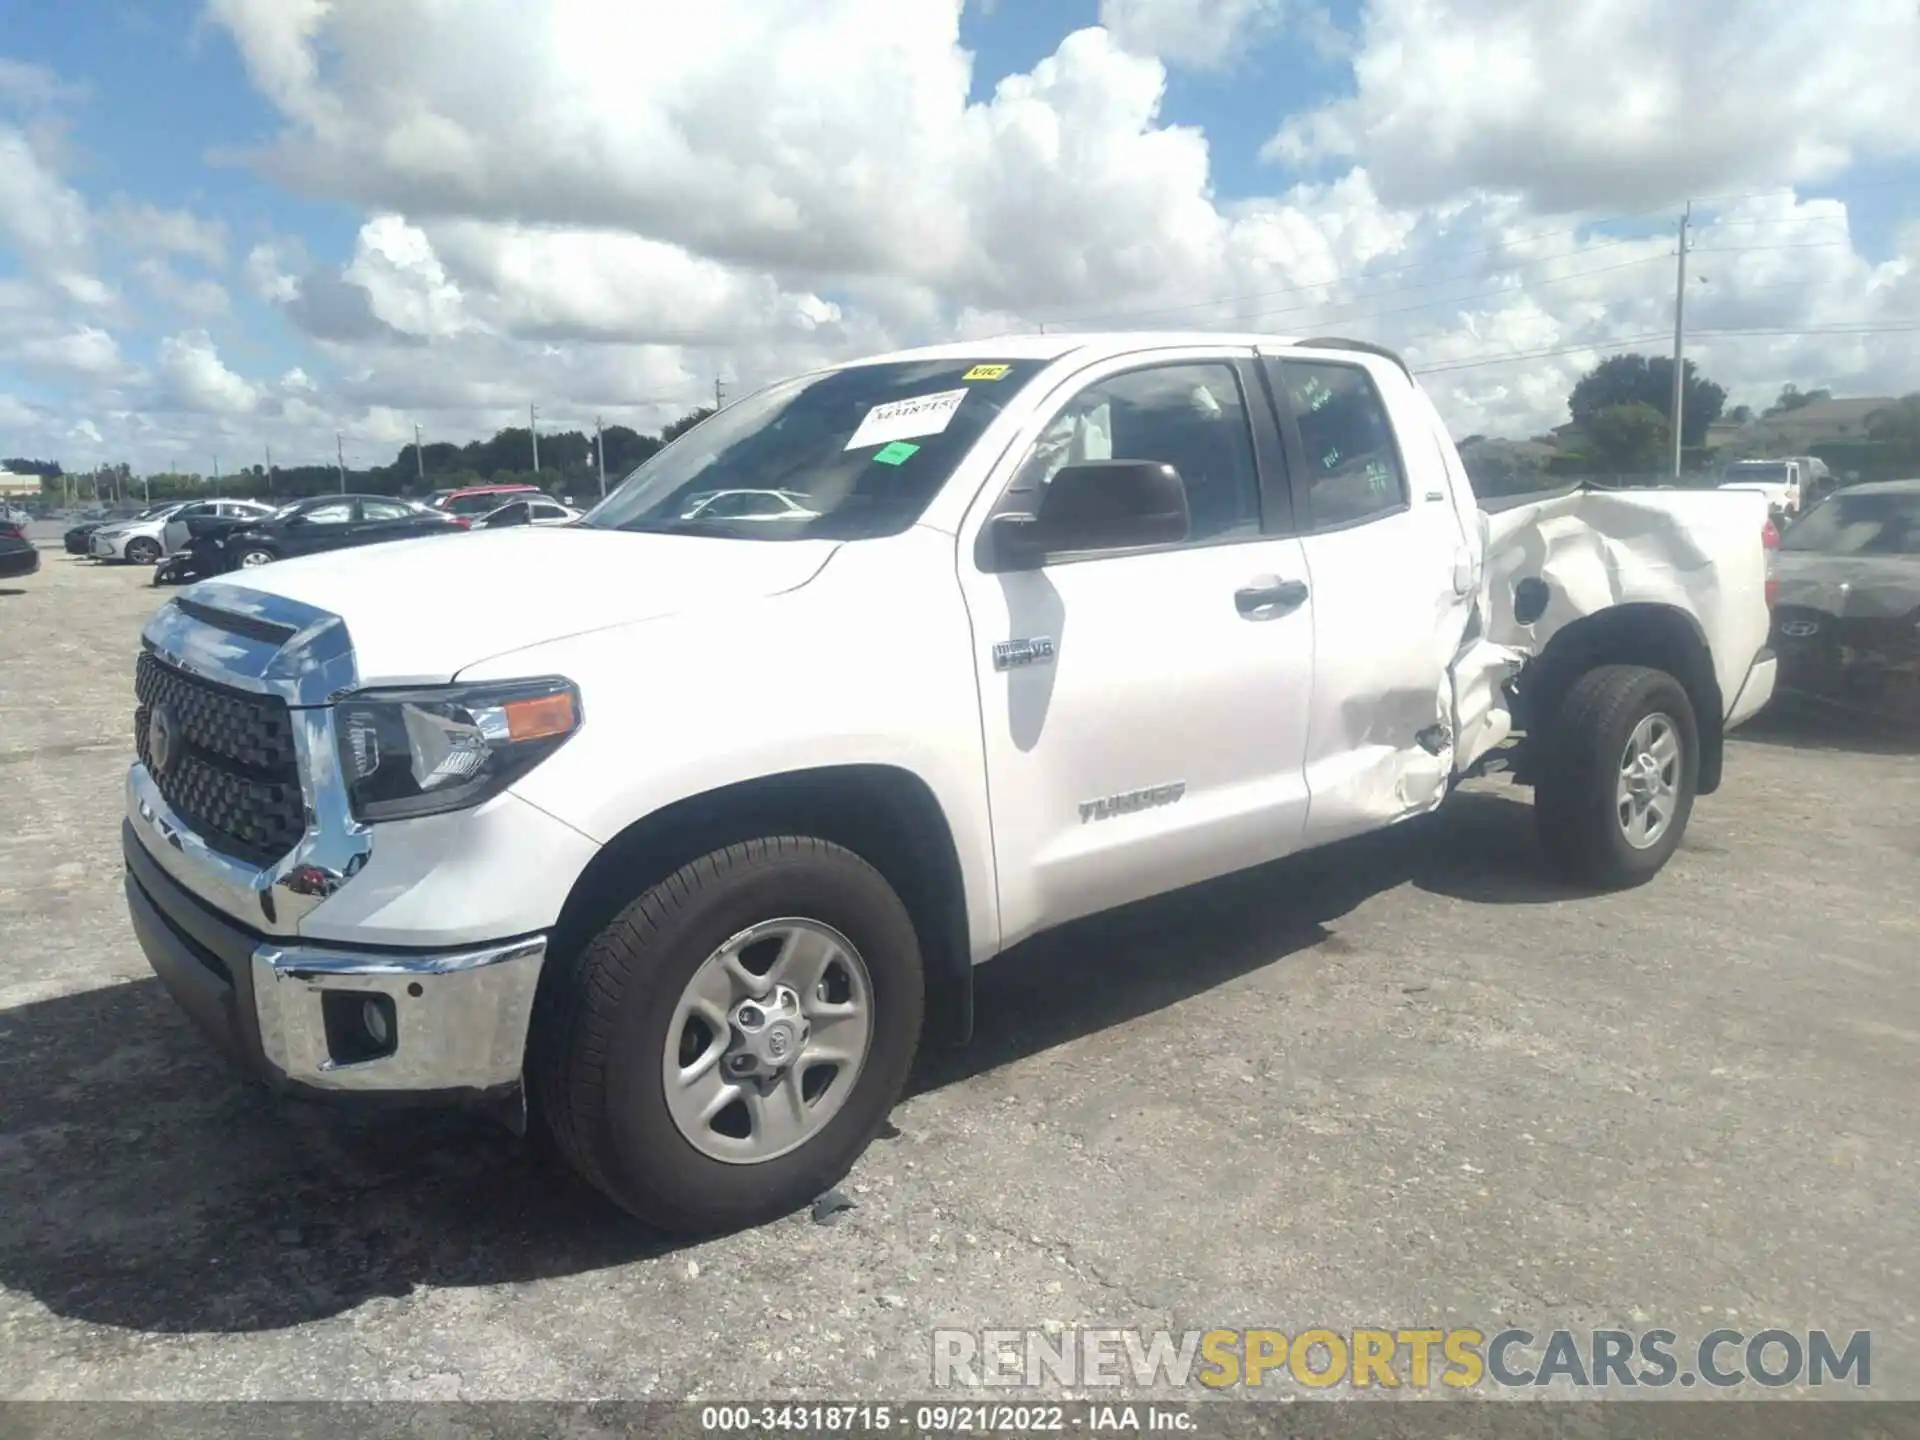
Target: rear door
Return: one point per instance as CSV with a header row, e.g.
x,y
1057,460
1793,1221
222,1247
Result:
x,y
1393,585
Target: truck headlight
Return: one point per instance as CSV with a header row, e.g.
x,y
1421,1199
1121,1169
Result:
x,y
405,753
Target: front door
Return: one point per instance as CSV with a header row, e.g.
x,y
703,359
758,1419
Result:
x,y
1145,711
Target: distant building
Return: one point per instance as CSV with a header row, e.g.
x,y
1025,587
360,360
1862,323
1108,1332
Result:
x,y
1798,431
18,486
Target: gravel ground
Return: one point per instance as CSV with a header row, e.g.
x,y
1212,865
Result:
x,y
1403,1082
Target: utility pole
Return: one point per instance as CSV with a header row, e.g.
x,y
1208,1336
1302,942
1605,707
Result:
x,y
340,455
719,393
1680,342
419,460
146,491
600,454
216,474
533,429
269,450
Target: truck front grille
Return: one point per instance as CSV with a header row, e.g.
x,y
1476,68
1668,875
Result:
x,y
230,770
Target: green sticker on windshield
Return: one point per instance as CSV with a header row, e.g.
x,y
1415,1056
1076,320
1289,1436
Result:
x,y
895,454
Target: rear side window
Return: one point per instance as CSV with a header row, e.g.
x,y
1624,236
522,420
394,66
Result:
x,y
1353,471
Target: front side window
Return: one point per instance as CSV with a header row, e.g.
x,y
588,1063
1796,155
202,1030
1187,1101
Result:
x,y
384,510
1352,465
1189,415
849,454
336,512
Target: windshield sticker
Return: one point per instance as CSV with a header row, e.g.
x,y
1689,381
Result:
x,y
898,453
913,419
987,372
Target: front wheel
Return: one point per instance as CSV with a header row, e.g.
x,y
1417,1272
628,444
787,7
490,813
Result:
x,y
255,556
1617,778
142,551
724,1051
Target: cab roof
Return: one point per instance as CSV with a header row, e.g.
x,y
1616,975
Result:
x,y
1102,344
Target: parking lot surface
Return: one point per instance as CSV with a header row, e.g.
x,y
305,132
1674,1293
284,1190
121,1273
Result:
x,y
1404,1082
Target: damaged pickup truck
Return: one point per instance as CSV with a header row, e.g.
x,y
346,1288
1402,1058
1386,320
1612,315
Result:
x,y
671,831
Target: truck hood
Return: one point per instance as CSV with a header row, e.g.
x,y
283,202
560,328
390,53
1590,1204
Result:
x,y
1875,586
420,611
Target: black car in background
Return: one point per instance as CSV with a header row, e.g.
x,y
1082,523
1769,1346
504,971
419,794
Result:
x,y
78,539
306,527
18,555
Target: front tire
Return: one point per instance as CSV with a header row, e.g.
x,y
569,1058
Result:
x,y
1617,779
255,556
653,1064
142,551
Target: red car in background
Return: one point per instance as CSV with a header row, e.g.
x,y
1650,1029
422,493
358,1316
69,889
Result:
x,y
470,504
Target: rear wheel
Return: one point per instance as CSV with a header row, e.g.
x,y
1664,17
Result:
x,y
1617,777
142,551
724,1051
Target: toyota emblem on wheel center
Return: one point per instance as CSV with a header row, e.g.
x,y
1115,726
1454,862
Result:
x,y
1800,629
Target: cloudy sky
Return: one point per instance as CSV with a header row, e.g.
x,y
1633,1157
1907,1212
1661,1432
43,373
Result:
x,y
229,224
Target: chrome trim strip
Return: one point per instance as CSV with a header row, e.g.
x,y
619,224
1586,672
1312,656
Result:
x,y
461,1015
278,898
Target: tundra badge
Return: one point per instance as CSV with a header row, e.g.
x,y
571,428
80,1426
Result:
x,y
1130,801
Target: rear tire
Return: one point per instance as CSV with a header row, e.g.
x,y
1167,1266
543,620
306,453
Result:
x,y
1605,776
599,1056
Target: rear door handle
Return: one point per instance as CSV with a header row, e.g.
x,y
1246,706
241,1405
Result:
x,y
1268,595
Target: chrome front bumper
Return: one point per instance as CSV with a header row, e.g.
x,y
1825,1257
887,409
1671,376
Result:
x,y
289,1013
224,935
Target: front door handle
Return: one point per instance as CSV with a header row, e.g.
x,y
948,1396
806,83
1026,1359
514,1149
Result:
x,y
1268,596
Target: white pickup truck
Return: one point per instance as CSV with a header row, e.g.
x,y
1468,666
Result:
x,y
672,831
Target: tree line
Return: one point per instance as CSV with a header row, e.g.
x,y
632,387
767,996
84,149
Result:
x,y
1622,412
568,466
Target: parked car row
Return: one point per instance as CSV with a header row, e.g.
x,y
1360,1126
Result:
x,y
192,539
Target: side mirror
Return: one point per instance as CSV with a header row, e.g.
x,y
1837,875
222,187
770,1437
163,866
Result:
x,y
296,519
1097,505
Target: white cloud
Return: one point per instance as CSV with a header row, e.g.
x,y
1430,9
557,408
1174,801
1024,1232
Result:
x,y
33,87
198,297
84,351
1210,34
1611,105
172,232
809,179
192,377
45,222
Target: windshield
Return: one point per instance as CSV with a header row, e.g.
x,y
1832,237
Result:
x,y
849,454
1884,524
